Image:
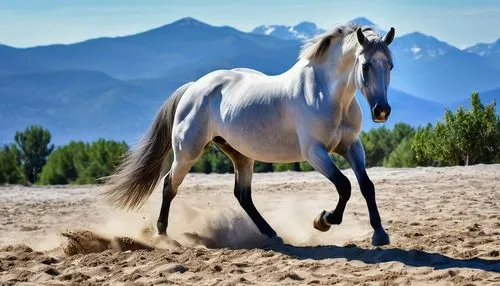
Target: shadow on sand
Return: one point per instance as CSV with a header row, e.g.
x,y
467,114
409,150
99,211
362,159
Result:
x,y
416,258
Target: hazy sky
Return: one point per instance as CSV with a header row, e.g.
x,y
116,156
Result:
x,y
35,22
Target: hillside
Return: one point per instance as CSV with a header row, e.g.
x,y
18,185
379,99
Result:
x,y
149,54
75,105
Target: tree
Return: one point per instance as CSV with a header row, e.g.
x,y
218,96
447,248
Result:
x,y
213,160
401,132
402,156
281,167
464,138
204,163
102,159
11,171
65,164
82,163
33,144
423,146
261,167
340,162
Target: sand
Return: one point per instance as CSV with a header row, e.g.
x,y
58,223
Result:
x,y
444,225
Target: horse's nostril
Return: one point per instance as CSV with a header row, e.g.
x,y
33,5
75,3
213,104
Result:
x,y
376,110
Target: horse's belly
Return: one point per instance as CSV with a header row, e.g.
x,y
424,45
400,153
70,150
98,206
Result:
x,y
270,150
266,147
265,138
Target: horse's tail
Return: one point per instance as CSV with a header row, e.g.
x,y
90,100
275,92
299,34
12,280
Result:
x,y
136,178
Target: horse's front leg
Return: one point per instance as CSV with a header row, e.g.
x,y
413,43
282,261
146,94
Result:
x,y
318,157
356,157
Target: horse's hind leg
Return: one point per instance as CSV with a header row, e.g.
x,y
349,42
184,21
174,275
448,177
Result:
x,y
183,161
168,194
243,170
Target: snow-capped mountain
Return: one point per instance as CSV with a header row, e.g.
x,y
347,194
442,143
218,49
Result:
x,y
484,49
301,31
305,30
421,46
366,22
490,52
435,70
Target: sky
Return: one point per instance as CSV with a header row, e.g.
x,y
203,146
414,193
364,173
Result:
x,y
27,23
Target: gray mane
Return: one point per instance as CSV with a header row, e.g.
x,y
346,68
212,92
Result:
x,y
316,48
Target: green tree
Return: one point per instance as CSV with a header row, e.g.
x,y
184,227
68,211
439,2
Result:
x,y
306,167
402,156
262,167
380,142
11,171
377,144
281,167
103,158
340,161
213,160
82,163
401,132
204,163
423,146
34,145
464,138
65,164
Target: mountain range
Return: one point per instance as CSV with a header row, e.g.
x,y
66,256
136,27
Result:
x,y
111,87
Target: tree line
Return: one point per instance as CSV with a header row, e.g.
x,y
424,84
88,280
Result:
x,y
463,137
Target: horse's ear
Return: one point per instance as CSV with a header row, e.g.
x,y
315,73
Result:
x,y
361,37
389,36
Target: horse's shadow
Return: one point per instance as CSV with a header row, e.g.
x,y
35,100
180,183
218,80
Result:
x,y
416,258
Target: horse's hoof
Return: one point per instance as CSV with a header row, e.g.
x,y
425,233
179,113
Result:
x,y
320,223
161,228
161,233
380,237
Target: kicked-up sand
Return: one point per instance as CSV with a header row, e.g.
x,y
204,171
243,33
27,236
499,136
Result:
x,y
444,225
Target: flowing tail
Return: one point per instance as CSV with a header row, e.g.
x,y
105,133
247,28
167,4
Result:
x,y
136,178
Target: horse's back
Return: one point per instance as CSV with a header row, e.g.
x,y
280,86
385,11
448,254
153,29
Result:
x,y
248,71
246,108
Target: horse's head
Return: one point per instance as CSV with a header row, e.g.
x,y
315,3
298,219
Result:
x,y
372,72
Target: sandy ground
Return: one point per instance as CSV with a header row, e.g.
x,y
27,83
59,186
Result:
x,y
444,225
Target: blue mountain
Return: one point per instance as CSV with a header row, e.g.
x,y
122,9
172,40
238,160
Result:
x,y
149,54
437,71
432,69
487,97
490,52
75,105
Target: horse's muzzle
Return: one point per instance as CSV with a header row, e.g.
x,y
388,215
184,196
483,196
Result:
x,y
381,112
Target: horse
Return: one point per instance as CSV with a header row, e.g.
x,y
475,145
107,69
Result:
x,y
303,114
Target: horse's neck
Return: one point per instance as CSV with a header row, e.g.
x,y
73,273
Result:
x,y
337,74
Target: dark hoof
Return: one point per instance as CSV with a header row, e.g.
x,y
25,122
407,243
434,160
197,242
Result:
x,y
320,223
161,228
380,237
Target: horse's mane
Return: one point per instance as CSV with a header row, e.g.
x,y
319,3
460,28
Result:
x,y
316,48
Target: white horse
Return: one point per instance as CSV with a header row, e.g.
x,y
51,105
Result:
x,y
305,113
